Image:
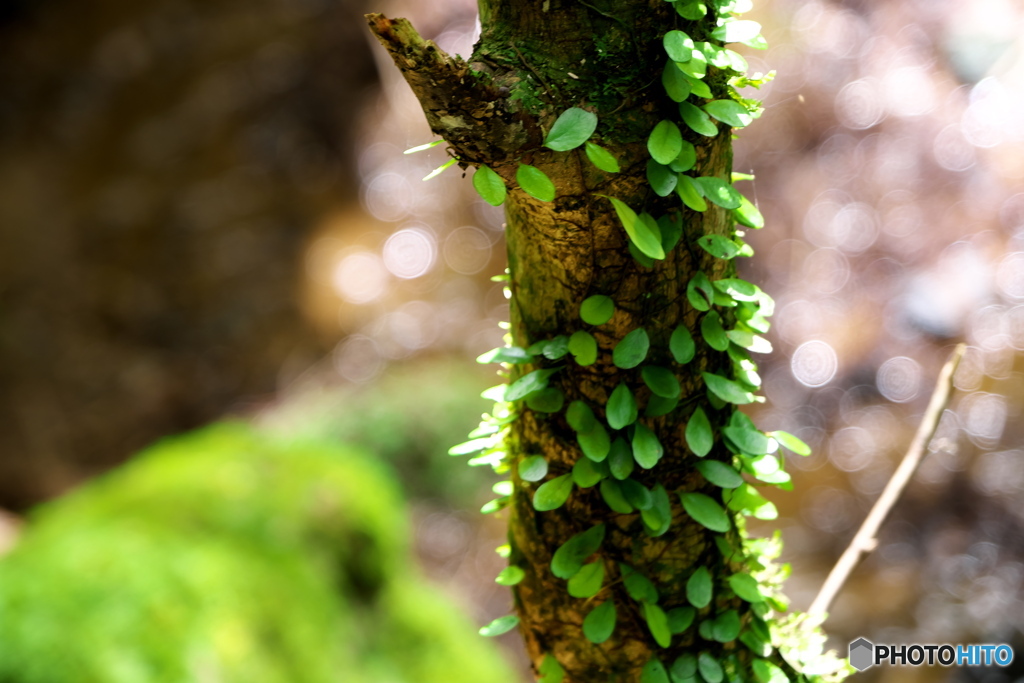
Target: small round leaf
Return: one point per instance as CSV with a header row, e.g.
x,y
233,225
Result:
x,y
597,309
535,183
490,186
552,494
533,468
602,158
632,350
599,624
571,129
500,625
705,511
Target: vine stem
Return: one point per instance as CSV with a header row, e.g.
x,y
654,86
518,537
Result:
x,y
867,536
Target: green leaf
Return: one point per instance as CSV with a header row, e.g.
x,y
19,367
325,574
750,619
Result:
x,y
510,576
421,148
738,31
572,128
727,390
736,61
698,87
569,558
637,494
583,347
685,160
697,67
599,624
671,226
587,581
495,505
622,410
500,625
471,446
680,619
738,289
747,214
647,450
720,192
597,309
681,345
595,443
586,473
657,622
678,46
533,468
602,158
676,85
696,294
713,332
747,501
705,511
715,55
611,492
699,437
697,119
637,585
698,588
580,417
750,441
641,258
690,193
791,442
726,626
767,672
745,586
550,670
620,459
710,670
688,9
661,179
661,381
658,518
730,112
654,672
505,354
639,233
535,183
685,667
659,405
665,142
719,474
440,169
528,384
719,246
490,186
552,494
549,400
632,350
552,349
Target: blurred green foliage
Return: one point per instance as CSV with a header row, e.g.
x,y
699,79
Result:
x,y
409,416
231,555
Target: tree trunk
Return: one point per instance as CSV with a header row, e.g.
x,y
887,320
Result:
x,y
536,59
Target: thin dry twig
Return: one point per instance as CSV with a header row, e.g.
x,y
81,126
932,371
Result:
x,y
867,536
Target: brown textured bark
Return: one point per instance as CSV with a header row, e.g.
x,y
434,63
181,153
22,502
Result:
x,y
564,251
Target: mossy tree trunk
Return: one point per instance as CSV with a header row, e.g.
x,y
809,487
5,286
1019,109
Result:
x,y
534,60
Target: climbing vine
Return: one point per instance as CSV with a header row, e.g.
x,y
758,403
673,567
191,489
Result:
x,y
728,619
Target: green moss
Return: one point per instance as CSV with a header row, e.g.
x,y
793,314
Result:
x,y
228,555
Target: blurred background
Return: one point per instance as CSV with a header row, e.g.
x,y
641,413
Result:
x,y
205,212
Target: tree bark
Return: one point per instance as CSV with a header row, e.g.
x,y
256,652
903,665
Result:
x,y
535,59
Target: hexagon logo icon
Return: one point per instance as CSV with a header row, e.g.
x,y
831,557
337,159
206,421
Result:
x,y
862,654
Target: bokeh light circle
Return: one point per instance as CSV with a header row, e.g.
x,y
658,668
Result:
x,y
814,363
